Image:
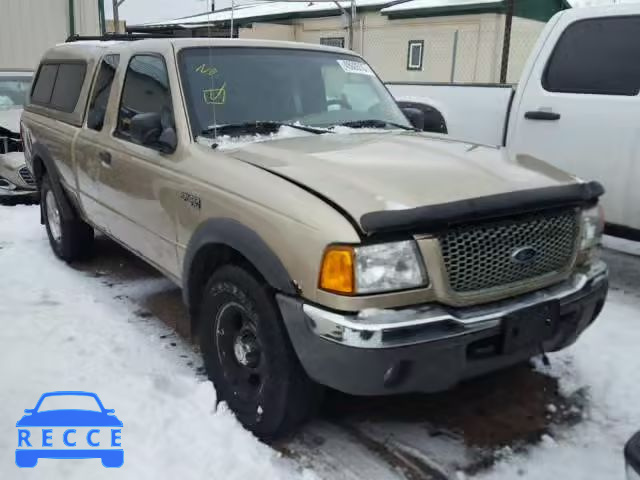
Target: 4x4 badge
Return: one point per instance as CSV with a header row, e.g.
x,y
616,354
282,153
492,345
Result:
x,y
191,199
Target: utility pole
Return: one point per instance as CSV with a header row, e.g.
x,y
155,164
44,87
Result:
x,y
233,6
506,43
116,16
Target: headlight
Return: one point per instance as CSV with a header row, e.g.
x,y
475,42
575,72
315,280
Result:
x,y
592,228
382,267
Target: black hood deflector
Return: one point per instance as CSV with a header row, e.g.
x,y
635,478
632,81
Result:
x,y
436,217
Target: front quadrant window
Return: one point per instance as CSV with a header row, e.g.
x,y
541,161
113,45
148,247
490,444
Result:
x,y
415,54
237,85
146,90
332,41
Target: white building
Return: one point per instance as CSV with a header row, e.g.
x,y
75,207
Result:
x,y
404,40
29,27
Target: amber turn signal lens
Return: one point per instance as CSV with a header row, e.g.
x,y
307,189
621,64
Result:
x,y
336,273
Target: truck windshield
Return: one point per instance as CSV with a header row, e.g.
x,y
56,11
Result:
x,y
240,85
14,91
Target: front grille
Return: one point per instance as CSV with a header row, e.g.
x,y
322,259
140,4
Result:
x,y
480,256
25,174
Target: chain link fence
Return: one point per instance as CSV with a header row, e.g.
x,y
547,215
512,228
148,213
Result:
x,y
456,50
449,54
461,49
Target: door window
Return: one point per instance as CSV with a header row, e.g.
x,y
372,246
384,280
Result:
x,y
597,56
101,91
146,90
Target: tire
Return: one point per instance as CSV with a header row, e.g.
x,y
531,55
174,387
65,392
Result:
x,y
249,358
69,239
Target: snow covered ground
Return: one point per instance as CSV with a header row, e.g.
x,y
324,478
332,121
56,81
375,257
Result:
x,y
69,329
605,364
61,330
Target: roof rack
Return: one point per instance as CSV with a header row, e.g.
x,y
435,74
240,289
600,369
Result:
x,y
116,36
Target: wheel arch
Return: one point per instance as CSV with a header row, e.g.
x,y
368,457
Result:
x,y
221,241
43,163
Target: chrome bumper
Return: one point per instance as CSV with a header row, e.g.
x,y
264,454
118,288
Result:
x,y
395,328
17,193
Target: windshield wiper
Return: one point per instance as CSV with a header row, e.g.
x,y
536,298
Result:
x,y
374,123
258,128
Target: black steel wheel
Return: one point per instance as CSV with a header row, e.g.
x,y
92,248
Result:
x,y
249,358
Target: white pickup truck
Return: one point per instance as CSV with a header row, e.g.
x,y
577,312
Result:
x,y
576,106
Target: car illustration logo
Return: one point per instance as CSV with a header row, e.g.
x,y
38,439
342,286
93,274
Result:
x,y
82,428
524,255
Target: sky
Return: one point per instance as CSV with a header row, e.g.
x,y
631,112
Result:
x,y
144,11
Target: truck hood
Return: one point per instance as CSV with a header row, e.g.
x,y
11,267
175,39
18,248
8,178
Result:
x,y
367,172
10,119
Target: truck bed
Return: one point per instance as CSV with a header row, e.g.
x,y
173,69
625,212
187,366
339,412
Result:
x,y
476,113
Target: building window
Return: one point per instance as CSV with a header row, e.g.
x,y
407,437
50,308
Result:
x,y
415,54
332,41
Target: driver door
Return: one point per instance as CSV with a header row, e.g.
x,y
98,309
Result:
x,y
137,185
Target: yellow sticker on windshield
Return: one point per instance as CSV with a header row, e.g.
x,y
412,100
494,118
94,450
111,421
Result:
x,y
216,96
207,70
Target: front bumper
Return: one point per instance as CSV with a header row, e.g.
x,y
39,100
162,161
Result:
x,y
432,347
22,194
12,183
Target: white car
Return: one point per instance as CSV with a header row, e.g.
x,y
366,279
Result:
x,y
16,181
576,106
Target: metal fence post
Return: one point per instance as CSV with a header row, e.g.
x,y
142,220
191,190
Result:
x,y
506,43
454,56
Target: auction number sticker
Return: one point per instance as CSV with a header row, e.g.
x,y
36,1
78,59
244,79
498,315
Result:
x,y
352,66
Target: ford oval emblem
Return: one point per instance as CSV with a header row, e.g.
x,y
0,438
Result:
x,y
524,255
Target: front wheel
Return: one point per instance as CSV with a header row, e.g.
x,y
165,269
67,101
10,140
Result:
x,y
69,239
248,356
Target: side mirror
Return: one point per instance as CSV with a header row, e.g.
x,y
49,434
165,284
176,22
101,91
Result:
x,y
415,116
28,410
146,129
632,457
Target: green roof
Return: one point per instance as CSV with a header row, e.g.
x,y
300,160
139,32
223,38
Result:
x,y
541,10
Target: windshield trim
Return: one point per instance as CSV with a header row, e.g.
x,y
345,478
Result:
x,y
187,96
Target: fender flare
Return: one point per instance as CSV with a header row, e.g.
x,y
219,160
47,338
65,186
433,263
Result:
x,y
233,234
40,151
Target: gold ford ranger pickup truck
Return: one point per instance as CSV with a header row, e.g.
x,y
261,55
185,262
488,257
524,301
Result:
x,y
319,237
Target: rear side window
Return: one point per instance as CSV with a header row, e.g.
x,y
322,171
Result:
x,y
68,85
101,91
58,85
146,90
43,86
597,56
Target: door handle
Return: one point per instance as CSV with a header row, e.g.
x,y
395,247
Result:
x,y
542,115
105,158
